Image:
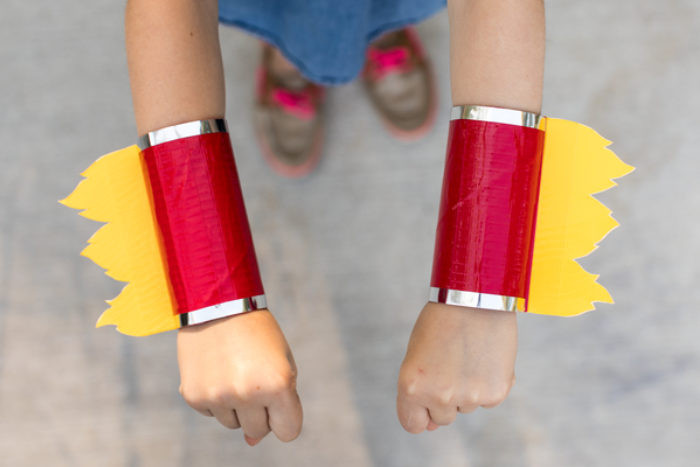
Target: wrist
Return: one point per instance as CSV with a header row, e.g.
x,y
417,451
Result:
x,y
465,315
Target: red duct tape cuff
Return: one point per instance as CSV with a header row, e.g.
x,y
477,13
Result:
x,y
203,225
486,225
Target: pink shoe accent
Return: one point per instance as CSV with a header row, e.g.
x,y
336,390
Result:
x,y
384,62
300,104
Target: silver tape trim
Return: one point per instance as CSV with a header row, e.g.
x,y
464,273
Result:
x,y
222,310
182,130
498,115
474,299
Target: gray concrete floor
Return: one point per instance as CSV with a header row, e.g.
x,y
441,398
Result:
x,y
345,255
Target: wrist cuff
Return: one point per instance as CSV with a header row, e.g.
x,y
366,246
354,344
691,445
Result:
x,y
203,226
486,225
180,131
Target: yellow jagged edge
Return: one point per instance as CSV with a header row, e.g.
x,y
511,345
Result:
x,y
570,221
115,191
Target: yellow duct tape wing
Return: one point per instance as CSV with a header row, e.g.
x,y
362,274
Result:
x,y
570,221
115,190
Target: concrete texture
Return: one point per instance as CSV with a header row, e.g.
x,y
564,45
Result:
x,y
345,255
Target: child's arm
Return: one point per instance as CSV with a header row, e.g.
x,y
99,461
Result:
x,y
497,53
459,358
238,369
174,62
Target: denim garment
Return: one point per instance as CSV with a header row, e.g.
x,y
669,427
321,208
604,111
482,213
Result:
x,y
325,39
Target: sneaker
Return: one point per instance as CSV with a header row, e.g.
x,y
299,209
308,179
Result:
x,y
288,119
399,80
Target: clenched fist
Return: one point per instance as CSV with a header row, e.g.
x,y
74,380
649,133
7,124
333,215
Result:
x,y
240,370
458,359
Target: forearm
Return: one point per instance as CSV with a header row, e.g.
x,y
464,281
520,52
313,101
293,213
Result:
x,y
238,368
174,62
497,53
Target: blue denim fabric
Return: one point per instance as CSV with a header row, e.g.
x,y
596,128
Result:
x,y
325,39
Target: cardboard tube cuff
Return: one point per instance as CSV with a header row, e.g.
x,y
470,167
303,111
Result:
x,y
485,232
201,218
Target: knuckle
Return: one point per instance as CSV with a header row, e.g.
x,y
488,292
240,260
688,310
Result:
x,y
408,386
444,397
491,401
203,396
194,399
414,380
496,395
218,395
283,381
470,398
503,390
247,393
267,385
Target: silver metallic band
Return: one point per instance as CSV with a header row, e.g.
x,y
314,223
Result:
x,y
222,310
474,299
498,115
182,130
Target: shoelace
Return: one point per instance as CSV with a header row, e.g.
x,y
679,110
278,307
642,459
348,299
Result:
x,y
383,62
